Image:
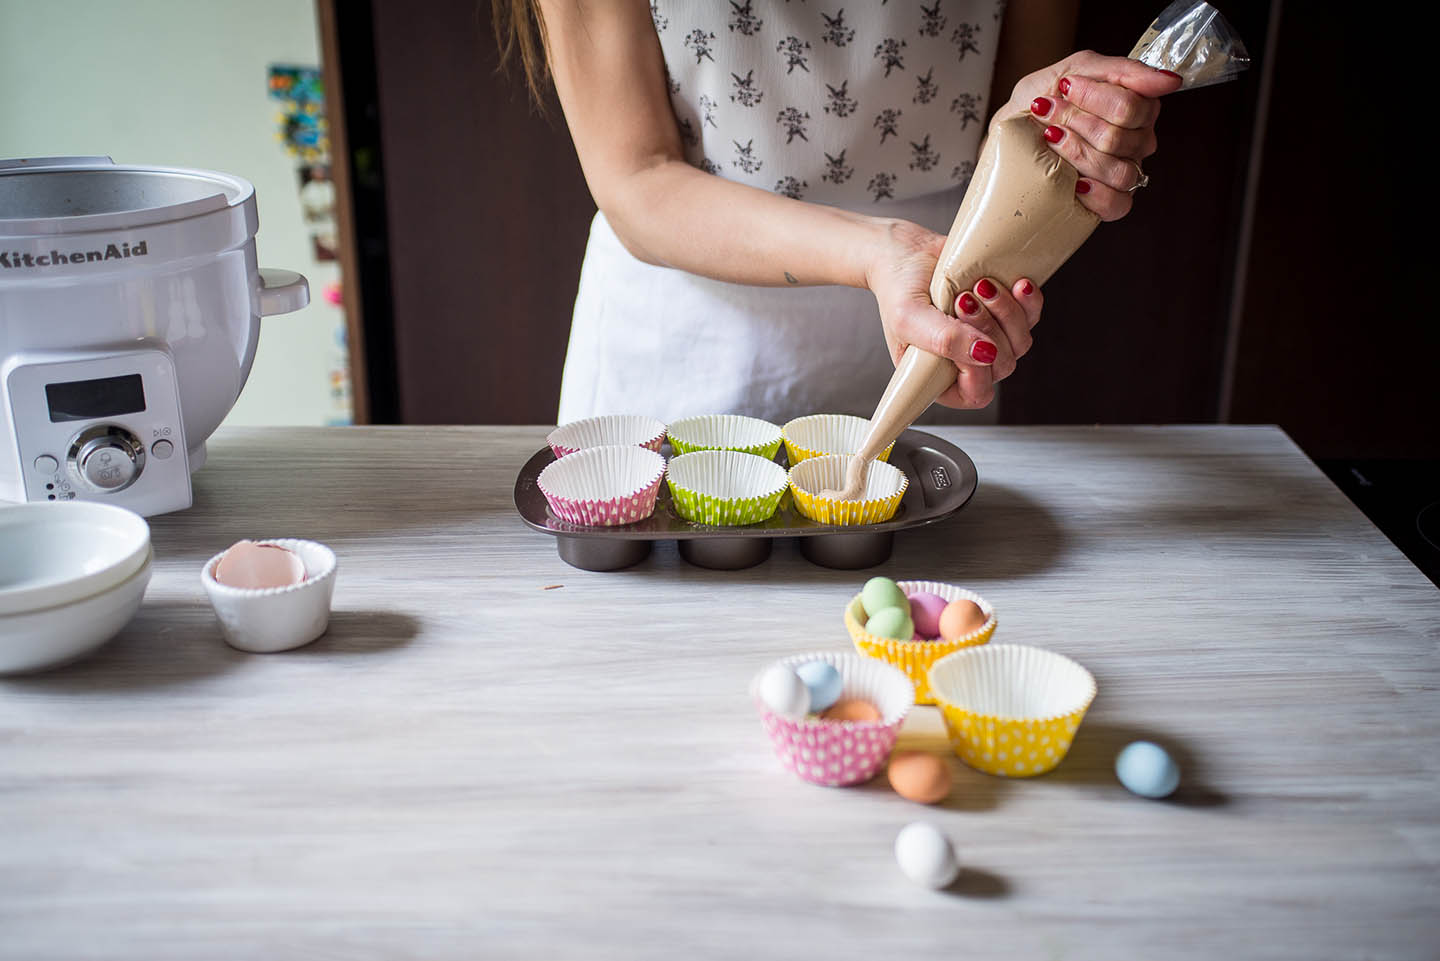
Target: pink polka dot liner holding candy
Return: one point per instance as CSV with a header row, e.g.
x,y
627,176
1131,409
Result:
x,y
603,486
839,753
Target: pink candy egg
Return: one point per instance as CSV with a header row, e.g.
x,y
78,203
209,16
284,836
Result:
x,y
925,611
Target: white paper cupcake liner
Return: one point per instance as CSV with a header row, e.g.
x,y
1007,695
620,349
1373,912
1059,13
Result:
x,y
608,430
725,487
725,432
885,487
837,753
603,486
1010,709
821,434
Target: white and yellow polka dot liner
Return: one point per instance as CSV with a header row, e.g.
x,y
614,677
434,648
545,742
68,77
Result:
x,y
816,435
915,657
885,487
1009,709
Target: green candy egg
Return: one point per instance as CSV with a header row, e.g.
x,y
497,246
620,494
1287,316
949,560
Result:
x,y
880,593
891,622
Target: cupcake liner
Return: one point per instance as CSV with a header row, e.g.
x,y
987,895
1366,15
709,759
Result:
x,y
725,487
603,486
821,434
1011,710
884,489
916,657
609,430
837,753
750,435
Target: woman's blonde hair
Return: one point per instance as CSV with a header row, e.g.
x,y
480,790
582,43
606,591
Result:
x,y
520,31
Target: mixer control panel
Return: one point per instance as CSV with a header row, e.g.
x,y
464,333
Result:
x,y
97,425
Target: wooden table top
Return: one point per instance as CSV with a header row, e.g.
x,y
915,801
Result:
x,y
469,765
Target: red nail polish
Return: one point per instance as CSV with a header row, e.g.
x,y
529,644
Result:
x,y
1028,289
1054,134
1064,86
1082,186
1040,106
969,305
984,352
1172,73
986,289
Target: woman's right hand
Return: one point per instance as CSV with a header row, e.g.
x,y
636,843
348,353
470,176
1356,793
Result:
x,y
988,334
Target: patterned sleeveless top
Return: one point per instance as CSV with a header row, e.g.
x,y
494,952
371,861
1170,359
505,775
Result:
x,y
844,102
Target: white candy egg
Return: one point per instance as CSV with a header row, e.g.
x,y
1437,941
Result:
x,y
926,855
784,693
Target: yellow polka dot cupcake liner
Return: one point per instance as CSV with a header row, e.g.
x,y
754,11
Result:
x,y
1009,709
885,488
819,434
915,657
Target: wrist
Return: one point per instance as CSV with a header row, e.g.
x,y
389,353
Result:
x,y
894,248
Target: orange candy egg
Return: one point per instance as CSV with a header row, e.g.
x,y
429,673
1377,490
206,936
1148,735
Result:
x,y
851,709
961,618
919,776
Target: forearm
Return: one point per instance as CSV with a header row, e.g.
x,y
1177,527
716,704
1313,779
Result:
x,y
673,215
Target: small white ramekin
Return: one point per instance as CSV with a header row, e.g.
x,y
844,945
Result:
x,y
267,620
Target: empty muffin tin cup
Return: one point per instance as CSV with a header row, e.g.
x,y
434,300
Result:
x,y
267,620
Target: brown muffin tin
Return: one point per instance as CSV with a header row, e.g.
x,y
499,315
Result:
x,y
942,480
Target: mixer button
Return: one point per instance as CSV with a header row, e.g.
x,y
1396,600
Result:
x,y
162,449
46,464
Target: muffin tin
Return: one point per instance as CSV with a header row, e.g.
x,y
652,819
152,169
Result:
x,y
942,480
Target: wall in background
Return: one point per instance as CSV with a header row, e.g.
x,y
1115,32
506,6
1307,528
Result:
x,y
179,83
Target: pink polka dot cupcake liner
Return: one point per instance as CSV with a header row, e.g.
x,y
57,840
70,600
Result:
x,y
840,753
603,486
609,430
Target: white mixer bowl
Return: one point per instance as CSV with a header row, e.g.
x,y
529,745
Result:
x,y
71,576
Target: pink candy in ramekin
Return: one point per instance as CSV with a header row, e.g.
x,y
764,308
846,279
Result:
x,y
603,486
839,753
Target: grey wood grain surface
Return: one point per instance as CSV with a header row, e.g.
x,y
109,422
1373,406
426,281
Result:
x,y
470,766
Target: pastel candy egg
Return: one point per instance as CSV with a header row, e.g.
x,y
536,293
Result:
x,y
823,682
919,776
784,693
880,593
891,622
1147,769
925,611
961,618
926,855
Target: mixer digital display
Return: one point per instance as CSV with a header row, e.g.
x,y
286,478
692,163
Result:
x,y
88,399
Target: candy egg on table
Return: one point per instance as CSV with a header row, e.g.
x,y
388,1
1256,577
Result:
x,y
925,611
880,593
822,681
893,622
1147,769
925,854
784,692
919,776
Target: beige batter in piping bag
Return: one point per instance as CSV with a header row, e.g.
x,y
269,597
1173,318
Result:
x,y
1021,218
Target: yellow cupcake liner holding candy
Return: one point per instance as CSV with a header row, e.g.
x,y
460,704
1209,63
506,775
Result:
x,y
817,435
916,657
885,487
1011,710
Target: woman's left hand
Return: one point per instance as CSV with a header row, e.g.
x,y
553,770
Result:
x,y
1098,113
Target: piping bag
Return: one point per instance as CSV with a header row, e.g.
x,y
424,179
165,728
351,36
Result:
x,y
1020,216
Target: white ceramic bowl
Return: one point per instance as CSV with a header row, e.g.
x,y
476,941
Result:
x,y
58,553
267,620
51,636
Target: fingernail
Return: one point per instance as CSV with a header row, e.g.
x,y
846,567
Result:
x,y
986,289
1040,106
969,305
1172,73
1064,86
984,352
1082,186
1028,289
1054,134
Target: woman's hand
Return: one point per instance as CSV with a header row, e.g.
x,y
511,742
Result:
x,y
988,334
1099,114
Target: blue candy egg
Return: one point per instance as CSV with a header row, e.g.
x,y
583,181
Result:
x,y
1147,770
824,682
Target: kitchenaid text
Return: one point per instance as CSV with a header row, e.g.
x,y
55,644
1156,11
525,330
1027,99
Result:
x,y
59,258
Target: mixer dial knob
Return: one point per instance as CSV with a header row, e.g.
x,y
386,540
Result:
x,y
106,458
